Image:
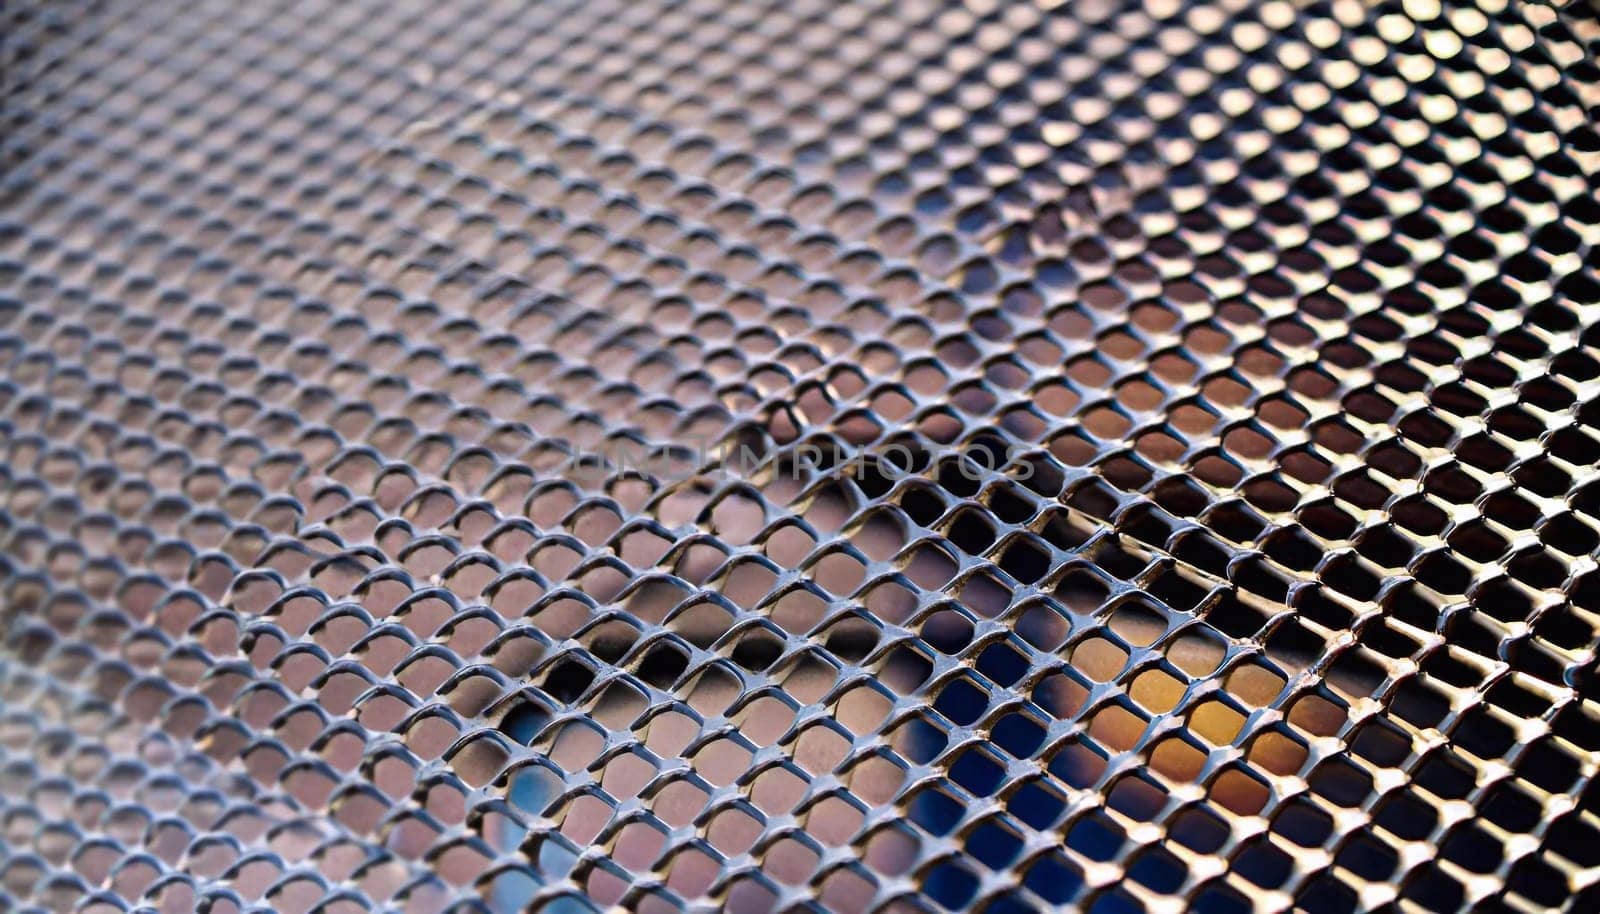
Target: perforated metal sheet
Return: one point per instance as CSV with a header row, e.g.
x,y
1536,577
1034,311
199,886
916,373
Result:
x,y
784,456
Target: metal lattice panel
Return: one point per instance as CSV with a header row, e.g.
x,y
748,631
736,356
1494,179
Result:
x,y
1128,455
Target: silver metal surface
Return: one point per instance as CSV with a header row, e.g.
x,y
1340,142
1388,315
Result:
x,y
1115,455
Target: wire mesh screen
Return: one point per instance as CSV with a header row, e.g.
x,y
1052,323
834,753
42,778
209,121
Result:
x,y
1121,455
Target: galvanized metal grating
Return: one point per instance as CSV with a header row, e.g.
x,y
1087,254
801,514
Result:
x,y
799,456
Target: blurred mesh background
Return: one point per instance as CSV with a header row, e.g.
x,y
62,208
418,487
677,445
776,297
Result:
x,y
1167,439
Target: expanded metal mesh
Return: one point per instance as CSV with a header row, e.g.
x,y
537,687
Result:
x,y
1134,455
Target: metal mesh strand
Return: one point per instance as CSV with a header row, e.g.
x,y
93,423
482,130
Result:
x,y
1127,455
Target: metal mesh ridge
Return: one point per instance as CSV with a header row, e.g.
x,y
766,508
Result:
x,y
1122,455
